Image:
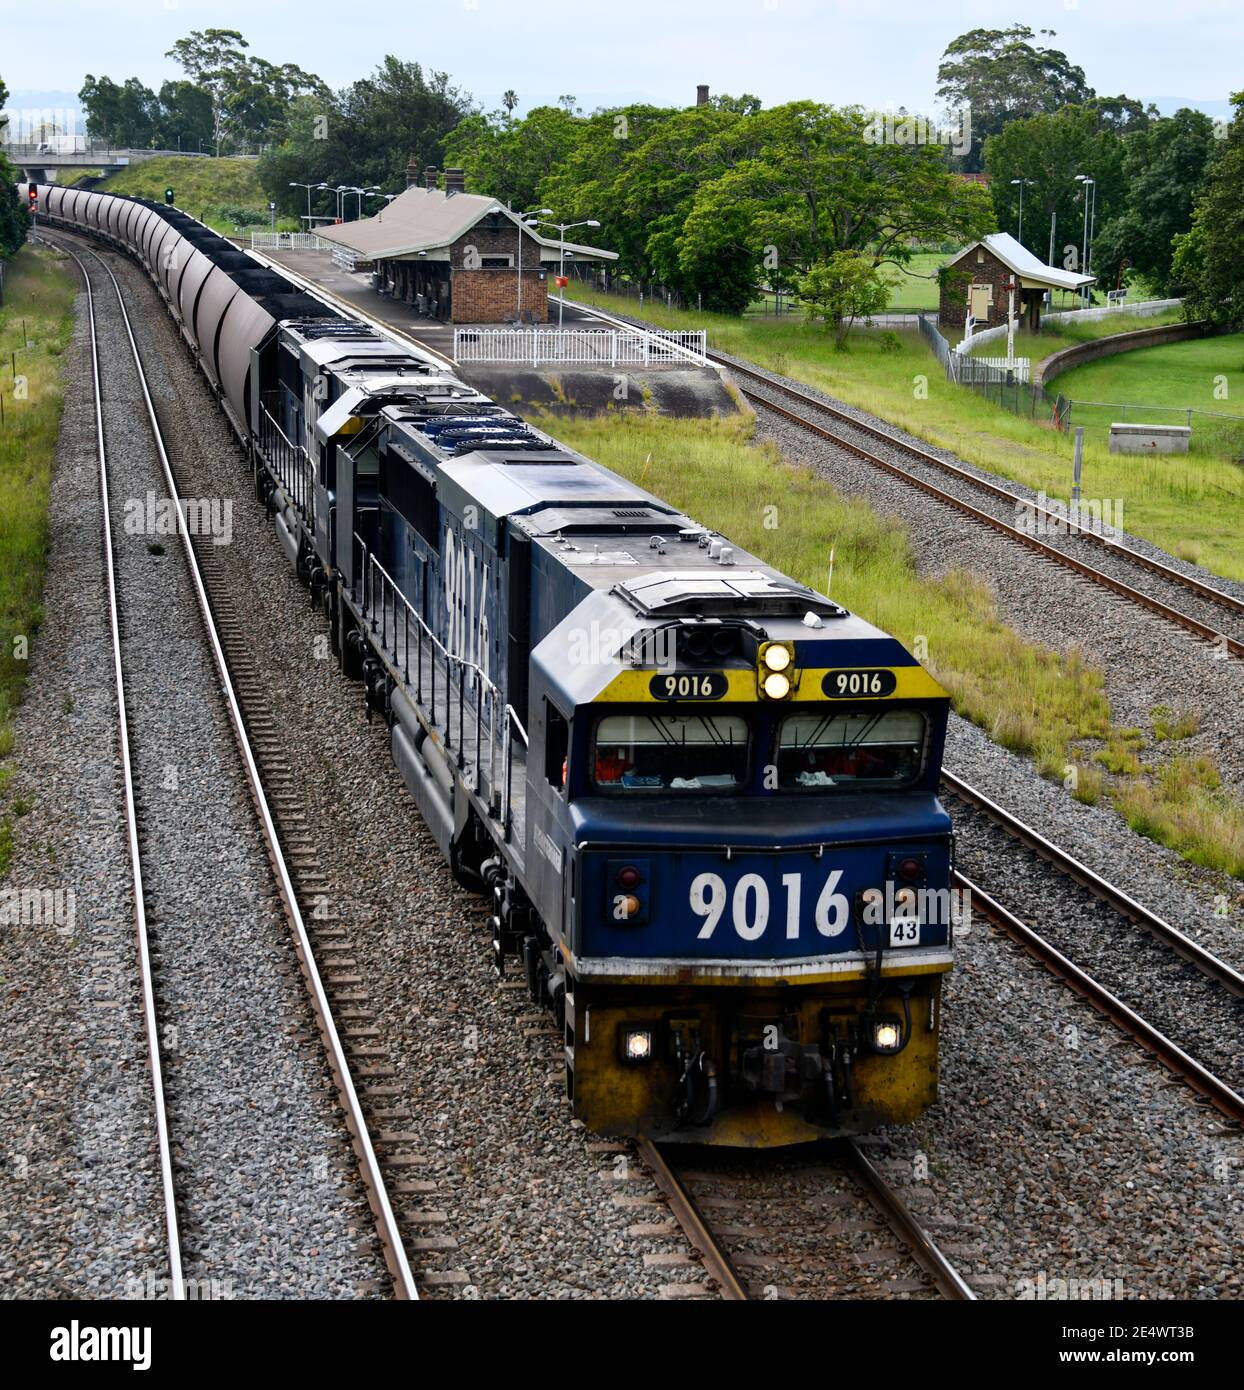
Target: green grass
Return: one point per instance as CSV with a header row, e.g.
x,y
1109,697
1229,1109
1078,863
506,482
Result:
x,y
1031,700
915,285
1193,507
1046,705
35,326
202,187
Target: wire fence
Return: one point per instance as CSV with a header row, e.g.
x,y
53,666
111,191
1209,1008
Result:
x,y
1008,387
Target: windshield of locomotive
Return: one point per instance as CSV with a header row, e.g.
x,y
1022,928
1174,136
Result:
x,y
670,752
817,750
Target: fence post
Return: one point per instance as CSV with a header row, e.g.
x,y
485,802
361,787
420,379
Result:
x,y
613,347
535,348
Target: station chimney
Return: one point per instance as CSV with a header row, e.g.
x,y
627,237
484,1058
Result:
x,y
429,177
455,182
412,171
701,94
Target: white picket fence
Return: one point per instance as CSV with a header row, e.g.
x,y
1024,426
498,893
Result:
x,y
1019,367
597,347
289,241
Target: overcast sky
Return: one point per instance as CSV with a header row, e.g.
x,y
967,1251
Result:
x,y
842,51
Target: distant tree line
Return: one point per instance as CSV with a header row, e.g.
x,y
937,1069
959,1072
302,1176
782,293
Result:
x,y
710,201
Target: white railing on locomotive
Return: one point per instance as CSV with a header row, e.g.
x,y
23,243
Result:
x,y
289,461
486,695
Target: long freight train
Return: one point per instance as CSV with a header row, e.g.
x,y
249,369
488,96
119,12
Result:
x,y
702,797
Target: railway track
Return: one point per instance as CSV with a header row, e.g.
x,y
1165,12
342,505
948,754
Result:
x,y
846,1188
285,864
1225,604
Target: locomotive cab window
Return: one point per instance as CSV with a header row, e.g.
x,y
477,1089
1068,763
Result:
x,y
670,752
846,747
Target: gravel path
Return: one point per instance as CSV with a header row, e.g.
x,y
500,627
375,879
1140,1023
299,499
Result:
x,y
268,1203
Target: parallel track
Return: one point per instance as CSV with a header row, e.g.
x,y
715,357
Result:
x,y
369,1167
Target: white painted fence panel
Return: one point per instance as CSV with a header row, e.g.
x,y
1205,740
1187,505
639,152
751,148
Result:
x,y
597,347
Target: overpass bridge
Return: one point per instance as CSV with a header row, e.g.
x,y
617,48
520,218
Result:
x,y
37,161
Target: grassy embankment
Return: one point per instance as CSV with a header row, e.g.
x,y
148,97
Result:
x,y
202,187
1049,706
1193,507
35,326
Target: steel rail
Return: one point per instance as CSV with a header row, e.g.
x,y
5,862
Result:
x,y
898,1216
373,1180
1187,581
1231,644
1209,964
694,1227
177,1286
1204,1082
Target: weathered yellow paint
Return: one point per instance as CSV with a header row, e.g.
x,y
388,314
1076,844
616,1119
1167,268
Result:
x,y
619,1098
912,683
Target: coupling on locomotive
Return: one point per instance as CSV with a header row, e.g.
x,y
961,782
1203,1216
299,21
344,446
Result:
x,y
701,796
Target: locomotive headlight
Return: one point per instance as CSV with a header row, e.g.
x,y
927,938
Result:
x,y
776,686
775,657
636,1044
887,1035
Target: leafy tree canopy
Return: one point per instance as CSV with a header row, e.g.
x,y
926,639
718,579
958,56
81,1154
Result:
x,y
998,75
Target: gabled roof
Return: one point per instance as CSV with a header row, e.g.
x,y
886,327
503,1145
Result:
x,y
428,219
1020,261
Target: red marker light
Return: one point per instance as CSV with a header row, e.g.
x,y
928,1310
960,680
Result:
x,y
910,869
629,877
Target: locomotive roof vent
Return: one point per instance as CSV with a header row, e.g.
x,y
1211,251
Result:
x,y
749,593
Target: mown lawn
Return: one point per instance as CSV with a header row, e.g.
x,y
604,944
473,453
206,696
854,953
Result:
x,y
35,326
1050,706
1194,509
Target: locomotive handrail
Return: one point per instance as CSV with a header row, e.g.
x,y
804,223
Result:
x,y
487,694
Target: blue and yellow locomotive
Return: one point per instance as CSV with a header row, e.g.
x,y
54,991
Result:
x,y
702,797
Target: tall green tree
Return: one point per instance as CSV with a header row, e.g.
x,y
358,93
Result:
x,y
999,76
508,159
363,136
1208,263
1048,151
1165,166
213,59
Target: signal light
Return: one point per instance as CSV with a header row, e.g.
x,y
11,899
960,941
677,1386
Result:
x,y
628,877
910,869
169,195
33,194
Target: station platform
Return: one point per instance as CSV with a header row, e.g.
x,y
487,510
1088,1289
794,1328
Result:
x,y
356,290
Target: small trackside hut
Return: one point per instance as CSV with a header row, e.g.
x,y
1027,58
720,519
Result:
x,y
979,275
457,256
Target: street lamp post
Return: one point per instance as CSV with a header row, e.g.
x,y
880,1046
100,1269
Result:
x,y
563,228
1086,185
308,187
1020,235
523,222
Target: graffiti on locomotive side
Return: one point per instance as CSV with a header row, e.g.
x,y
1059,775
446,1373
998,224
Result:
x,y
466,591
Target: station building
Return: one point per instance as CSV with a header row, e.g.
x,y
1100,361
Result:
x,y
455,256
980,273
